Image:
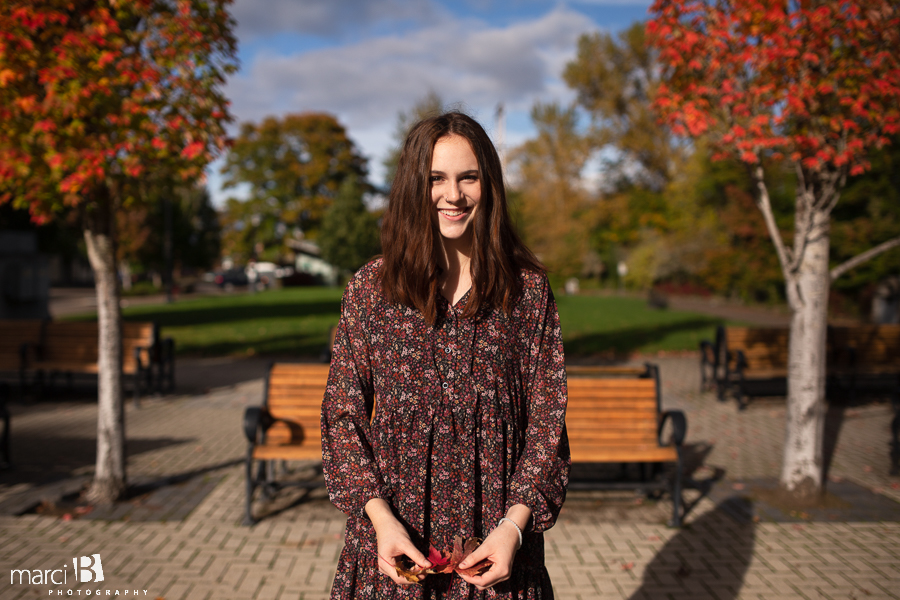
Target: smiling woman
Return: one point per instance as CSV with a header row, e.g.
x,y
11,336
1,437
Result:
x,y
443,417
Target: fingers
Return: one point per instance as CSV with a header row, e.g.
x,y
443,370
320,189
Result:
x,y
386,566
497,573
393,542
414,555
500,549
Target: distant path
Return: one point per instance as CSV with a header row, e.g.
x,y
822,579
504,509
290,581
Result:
x,y
716,307
75,301
66,302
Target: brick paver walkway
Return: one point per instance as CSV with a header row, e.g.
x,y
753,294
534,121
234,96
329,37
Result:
x,y
183,538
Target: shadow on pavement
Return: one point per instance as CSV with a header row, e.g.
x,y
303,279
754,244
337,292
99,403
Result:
x,y
46,468
708,558
35,456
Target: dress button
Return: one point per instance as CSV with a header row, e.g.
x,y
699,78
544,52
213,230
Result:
x,y
448,349
446,385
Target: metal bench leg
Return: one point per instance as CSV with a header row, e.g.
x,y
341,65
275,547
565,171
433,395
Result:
x,y
4,435
895,441
676,494
251,485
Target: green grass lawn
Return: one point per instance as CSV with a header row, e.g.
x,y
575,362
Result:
x,y
613,325
296,321
291,321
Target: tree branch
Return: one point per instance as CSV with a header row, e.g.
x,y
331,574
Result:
x,y
863,257
803,220
765,207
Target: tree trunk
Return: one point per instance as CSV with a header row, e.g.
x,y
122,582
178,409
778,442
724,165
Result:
x,y
802,468
109,476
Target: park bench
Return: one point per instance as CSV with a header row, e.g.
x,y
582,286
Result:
x,y
72,348
744,356
16,334
285,428
861,354
614,416
869,355
610,420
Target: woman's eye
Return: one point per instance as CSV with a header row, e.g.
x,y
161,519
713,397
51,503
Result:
x,y
435,178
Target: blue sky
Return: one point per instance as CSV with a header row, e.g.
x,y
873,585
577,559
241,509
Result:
x,y
367,60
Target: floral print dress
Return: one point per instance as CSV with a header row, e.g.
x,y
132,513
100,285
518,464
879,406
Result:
x,y
451,423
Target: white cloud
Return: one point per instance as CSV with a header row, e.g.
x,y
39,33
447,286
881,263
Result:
x,y
324,17
368,82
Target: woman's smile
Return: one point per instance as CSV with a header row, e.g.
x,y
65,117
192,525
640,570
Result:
x,y
455,188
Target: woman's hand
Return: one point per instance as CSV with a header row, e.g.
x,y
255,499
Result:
x,y
499,548
392,540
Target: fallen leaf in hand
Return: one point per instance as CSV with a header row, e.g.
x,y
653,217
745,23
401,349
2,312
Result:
x,y
443,561
409,570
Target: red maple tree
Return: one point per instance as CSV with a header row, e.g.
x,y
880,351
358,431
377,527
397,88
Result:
x,y
96,97
813,82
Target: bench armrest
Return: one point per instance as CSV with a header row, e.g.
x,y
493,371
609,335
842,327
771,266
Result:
x,y
708,354
679,426
741,361
256,421
137,356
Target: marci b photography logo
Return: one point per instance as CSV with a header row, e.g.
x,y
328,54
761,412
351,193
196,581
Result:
x,y
91,570
87,569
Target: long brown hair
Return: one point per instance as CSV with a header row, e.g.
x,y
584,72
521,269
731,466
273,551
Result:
x,y
410,239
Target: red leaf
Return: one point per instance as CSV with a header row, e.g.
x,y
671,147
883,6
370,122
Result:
x,y
443,561
749,157
193,150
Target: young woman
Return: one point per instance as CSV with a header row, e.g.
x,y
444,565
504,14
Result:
x,y
445,406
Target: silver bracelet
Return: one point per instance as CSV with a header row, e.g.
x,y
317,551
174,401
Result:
x,y
518,529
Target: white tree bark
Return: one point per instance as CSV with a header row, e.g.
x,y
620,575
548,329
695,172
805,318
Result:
x,y
109,476
807,283
808,286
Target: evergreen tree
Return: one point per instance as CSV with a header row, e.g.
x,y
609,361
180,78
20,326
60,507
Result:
x,y
349,236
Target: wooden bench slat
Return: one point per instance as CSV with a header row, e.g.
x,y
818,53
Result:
x,y
287,452
641,395
612,383
298,389
613,404
625,440
583,453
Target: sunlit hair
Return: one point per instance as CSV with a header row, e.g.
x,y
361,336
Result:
x,y
410,239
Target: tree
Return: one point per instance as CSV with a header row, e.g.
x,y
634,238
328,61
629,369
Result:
x,y
615,79
195,230
349,236
868,215
294,167
816,83
92,93
552,203
429,106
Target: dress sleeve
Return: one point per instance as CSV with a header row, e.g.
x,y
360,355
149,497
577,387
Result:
x,y
542,473
348,461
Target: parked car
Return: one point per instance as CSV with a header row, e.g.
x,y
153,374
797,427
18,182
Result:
x,y
231,278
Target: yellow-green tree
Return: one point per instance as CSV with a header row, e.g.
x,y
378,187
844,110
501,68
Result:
x,y
615,79
553,208
294,167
